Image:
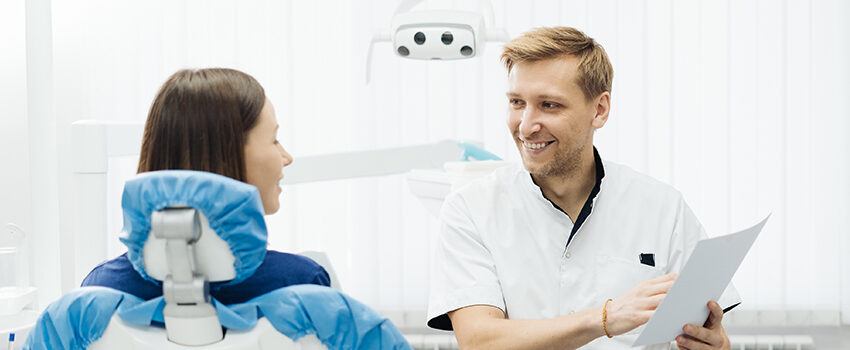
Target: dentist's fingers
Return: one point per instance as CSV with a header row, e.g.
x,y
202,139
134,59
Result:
x,y
702,335
660,285
684,342
634,307
716,316
712,336
667,277
654,301
659,288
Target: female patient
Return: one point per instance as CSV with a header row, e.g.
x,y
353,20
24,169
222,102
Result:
x,y
219,121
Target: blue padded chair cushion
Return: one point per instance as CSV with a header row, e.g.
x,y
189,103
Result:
x,y
339,321
234,210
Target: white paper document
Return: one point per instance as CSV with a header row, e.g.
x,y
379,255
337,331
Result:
x,y
706,274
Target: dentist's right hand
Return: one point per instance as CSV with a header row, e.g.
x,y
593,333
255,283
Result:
x,y
637,305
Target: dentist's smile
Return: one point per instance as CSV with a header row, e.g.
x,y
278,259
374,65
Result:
x,y
536,147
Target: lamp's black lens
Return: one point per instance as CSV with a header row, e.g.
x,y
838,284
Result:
x,y
447,38
419,38
403,51
466,50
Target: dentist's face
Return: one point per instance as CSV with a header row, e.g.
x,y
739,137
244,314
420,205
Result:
x,y
265,159
551,120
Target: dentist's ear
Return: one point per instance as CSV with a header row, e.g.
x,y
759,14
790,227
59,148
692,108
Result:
x,y
603,107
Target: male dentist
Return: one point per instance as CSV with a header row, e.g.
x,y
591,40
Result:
x,y
565,250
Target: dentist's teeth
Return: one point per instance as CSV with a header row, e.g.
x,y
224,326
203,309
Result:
x,y
536,145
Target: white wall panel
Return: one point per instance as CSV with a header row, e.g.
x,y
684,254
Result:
x,y
844,187
72,79
830,157
546,12
602,25
714,110
468,116
16,205
743,136
630,86
798,164
659,87
770,148
688,167
574,13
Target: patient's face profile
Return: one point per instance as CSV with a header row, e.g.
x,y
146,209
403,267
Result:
x,y
265,158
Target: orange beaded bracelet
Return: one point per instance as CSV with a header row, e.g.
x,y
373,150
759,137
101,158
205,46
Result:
x,y
605,318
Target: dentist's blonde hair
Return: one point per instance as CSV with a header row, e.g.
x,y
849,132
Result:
x,y
595,73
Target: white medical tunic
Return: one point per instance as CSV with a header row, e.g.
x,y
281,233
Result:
x,y
503,244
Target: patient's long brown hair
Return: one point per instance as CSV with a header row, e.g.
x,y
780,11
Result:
x,y
199,120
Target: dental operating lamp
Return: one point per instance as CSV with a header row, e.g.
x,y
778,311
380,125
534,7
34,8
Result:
x,y
437,34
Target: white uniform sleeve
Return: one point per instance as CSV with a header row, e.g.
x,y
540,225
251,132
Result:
x,y
686,233
463,272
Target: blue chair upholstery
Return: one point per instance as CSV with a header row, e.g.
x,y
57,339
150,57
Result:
x,y
234,211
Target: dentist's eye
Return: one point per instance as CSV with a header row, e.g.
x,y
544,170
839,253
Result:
x,y
516,102
550,105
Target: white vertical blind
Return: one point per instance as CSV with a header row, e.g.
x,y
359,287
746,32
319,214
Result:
x,y
15,184
741,105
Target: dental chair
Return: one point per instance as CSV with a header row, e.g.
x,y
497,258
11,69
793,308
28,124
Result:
x,y
185,230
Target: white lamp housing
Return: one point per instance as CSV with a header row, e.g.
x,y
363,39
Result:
x,y
437,34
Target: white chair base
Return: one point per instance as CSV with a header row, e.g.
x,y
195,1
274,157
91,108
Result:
x,y
121,335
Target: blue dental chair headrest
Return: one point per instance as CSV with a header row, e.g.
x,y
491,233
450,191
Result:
x,y
234,210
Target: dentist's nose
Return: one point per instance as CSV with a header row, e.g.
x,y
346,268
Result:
x,y
530,122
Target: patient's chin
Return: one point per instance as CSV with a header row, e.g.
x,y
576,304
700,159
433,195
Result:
x,y
271,208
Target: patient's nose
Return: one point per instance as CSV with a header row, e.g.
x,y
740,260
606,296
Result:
x,y
287,158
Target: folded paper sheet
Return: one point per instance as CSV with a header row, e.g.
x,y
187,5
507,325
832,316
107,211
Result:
x,y
704,277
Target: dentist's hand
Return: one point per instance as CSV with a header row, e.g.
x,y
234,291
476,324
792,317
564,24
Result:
x,y
710,336
636,306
